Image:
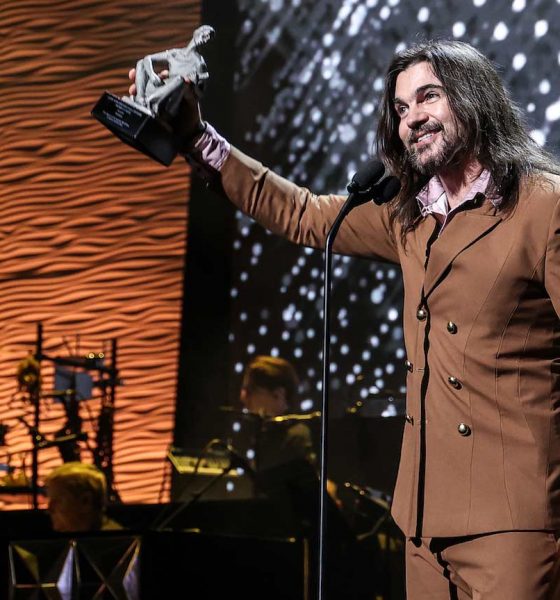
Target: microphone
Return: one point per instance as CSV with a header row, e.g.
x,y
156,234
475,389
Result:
x,y
369,183
366,176
386,190
238,461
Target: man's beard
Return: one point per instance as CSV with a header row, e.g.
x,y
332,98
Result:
x,y
445,156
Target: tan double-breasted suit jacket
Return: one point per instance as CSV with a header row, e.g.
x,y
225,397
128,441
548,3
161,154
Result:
x,y
481,443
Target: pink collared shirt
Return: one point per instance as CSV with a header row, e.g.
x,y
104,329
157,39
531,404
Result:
x,y
432,198
209,152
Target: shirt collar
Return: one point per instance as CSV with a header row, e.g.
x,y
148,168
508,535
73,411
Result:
x,y
434,190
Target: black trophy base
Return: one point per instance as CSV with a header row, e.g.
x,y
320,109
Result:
x,y
136,128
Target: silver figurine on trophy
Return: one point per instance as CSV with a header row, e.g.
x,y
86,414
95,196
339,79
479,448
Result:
x,y
145,121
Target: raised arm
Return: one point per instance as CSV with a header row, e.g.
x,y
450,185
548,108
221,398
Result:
x,y
277,204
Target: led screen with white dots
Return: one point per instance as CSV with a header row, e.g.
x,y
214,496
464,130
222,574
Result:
x,y
307,92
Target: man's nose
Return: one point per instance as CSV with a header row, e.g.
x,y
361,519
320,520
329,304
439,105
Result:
x,y
416,116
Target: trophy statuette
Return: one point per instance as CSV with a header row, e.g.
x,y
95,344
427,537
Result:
x,y
145,121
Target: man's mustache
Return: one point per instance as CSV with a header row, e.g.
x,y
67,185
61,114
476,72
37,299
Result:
x,y
417,133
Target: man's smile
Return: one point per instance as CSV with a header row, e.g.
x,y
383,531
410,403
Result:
x,y
423,137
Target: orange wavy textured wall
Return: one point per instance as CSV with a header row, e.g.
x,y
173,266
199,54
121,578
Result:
x,y
92,234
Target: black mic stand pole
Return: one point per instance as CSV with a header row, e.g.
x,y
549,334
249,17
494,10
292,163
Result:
x,y
323,497
367,184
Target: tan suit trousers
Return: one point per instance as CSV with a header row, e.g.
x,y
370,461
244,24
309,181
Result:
x,y
513,565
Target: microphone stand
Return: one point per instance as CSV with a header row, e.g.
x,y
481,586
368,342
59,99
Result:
x,y
323,497
195,497
234,461
367,184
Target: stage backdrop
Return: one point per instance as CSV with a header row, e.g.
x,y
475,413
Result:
x,y
92,234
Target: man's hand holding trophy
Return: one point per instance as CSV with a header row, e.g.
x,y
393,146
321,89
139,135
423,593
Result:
x,y
150,119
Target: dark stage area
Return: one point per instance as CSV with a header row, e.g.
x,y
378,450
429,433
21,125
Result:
x,y
257,536
210,550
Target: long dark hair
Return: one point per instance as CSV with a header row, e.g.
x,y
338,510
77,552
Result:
x,y
495,132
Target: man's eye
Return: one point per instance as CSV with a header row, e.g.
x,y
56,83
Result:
x,y
431,95
401,110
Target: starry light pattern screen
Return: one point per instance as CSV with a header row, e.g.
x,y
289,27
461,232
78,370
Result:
x,y
307,87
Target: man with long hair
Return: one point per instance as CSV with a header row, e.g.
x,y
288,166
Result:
x,y
476,231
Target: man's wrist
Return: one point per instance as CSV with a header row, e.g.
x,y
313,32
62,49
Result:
x,y
209,149
187,144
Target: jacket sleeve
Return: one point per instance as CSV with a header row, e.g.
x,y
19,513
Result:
x,y
552,260
303,217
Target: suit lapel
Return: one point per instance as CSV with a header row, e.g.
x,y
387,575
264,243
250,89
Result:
x,y
465,229
423,233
